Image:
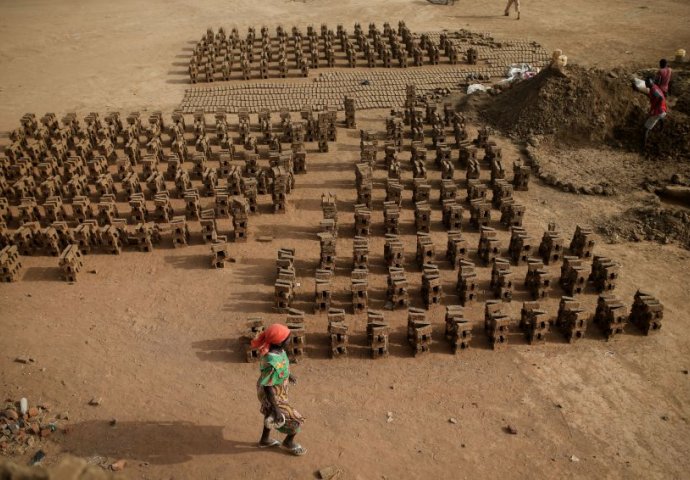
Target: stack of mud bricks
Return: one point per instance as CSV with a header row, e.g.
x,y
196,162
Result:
x,y
327,243
363,180
497,170
394,191
582,244
391,218
534,322
10,265
502,280
572,319
394,251
179,232
604,274
421,190
538,279
422,216
521,174
338,331
512,213
458,329
480,213
219,254
456,250
280,189
573,275
367,147
359,286
418,331
521,246
240,217
502,192
397,292
377,334
285,283
432,289
70,262
646,312
297,347
362,220
350,112
329,207
322,290
551,246
496,324
255,326
610,315
467,282
452,214
209,231
448,190
489,247
425,249
360,252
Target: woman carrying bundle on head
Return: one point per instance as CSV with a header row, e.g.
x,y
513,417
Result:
x,y
272,389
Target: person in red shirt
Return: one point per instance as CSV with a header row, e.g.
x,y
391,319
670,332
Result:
x,y
657,107
663,76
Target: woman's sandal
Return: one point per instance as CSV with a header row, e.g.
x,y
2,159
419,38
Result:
x,y
298,450
270,444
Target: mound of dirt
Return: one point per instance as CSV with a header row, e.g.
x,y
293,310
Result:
x,y
581,107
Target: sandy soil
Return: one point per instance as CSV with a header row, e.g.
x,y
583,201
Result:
x,y
155,335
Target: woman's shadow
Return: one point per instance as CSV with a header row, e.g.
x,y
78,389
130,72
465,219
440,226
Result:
x,y
153,442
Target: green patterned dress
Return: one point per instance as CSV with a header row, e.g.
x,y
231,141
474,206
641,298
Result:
x,y
275,372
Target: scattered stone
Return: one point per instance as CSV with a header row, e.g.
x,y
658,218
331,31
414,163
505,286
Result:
x,y
118,466
684,372
329,473
23,406
24,360
45,432
95,401
510,429
94,271
453,420
573,458
63,416
389,417
11,414
264,239
38,457
665,418
112,422
33,412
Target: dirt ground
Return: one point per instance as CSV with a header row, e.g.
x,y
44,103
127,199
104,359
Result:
x,y
156,335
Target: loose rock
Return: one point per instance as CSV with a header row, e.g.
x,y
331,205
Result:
x,y
510,429
118,466
95,401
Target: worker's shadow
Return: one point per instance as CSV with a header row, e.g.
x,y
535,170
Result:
x,y
153,442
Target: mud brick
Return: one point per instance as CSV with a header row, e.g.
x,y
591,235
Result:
x,y
512,213
377,334
647,312
397,292
605,273
448,190
209,179
322,290
54,209
255,326
458,329
298,338
502,191
467,283
521,175
473,171
209,230
573,276
50,241
572,319
425,249
192,205
502,280
534,322
329,207
363,182
537,280
235,178
551,246
85,235
521,246
421,190
10,265
327,242
394,191
496,324
432,288
299,156
582,244
179,232
394,251
480,213
391,217
610,315
360,252
240,218
452,215
359,286
280,189
489,246
422,216
497,170
367,153
70,262
29,211
249,187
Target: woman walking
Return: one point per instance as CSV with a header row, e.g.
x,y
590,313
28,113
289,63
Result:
x,y
272,389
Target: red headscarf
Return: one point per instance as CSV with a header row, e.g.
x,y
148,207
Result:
x,y
274,335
